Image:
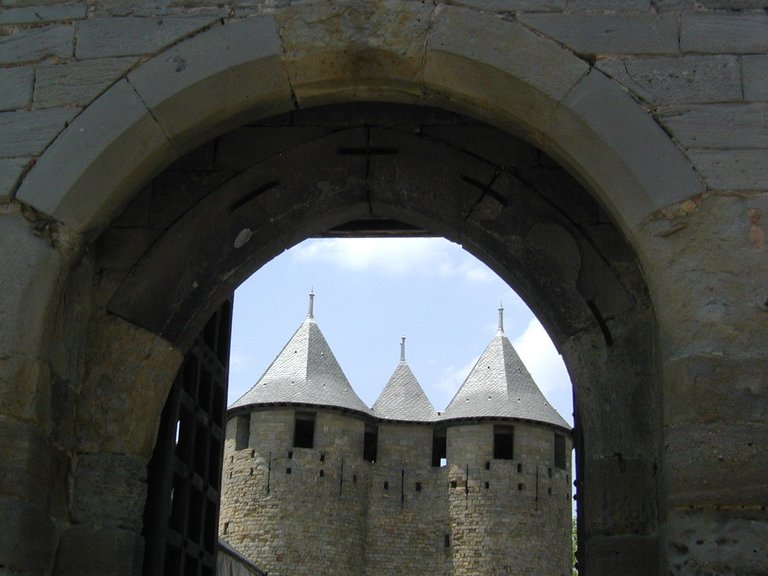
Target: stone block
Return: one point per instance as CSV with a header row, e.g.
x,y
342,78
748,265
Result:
x,y
616,491
28,282
706,541
622,148
17,87
10,172
719,126
357,46
514,5
724,33
29,538
25,388
40,14
674,80
731,169
28,133
95,551
92,169
77,82
25,465
609,6
109,490
718,464
714,388
498,63
625,555
33,44
245,81
129,36
609,33
754,68
114,385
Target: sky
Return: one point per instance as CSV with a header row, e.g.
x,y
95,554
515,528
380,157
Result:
x,y
369,293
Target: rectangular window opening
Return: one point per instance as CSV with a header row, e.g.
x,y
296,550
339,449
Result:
x,y
439,447
304,430
447,541
503,442
370,443
560,460
418,486
242,431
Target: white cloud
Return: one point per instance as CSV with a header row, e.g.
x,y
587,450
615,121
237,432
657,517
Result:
x,y
395,257
542,360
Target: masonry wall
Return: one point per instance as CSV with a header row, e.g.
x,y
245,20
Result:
x,y
408,506
508,516
296,511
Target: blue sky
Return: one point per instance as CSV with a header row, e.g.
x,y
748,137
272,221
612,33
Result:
x,y
369,293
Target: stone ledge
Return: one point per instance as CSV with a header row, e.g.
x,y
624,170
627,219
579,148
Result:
x,y
594,34
128,36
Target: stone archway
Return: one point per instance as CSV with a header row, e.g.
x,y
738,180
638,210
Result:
x,y
515,80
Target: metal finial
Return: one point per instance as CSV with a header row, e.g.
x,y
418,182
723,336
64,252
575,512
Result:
x,y
402,349
501,318
311,311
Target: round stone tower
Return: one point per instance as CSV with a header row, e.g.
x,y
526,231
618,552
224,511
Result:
x,y
315,482
294,487
509,471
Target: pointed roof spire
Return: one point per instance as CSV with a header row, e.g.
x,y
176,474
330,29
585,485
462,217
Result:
x,y
499,386
501,319
311,310
403,397
305,372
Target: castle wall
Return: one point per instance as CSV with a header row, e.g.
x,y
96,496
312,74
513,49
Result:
x,y
508,516
270,483
408,509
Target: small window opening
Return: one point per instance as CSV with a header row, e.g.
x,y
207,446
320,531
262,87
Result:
x,y
503,442
439,447
418,486
287,470
549,472
447,541
322,457
322,473
487,465
487,485
304,430
242,431
519,486
290,455
560,452
251,472
453,483
354,478
386,485
549,490
226,527
370,443
519,468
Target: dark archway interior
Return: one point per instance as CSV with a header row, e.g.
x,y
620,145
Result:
x,y
214,217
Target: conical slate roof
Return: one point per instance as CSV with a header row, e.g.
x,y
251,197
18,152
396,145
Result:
x,y
305,372
402,397
499,386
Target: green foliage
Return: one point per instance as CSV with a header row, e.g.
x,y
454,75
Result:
x,y
574,546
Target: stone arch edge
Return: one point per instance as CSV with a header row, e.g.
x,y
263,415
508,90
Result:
x,y
513,78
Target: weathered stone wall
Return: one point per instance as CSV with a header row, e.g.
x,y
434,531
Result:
x,y
474,516
508,516
296,510
658,108
407,505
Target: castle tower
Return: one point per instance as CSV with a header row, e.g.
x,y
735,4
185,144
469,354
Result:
x,y
314,482
408,510
294,486
509,473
